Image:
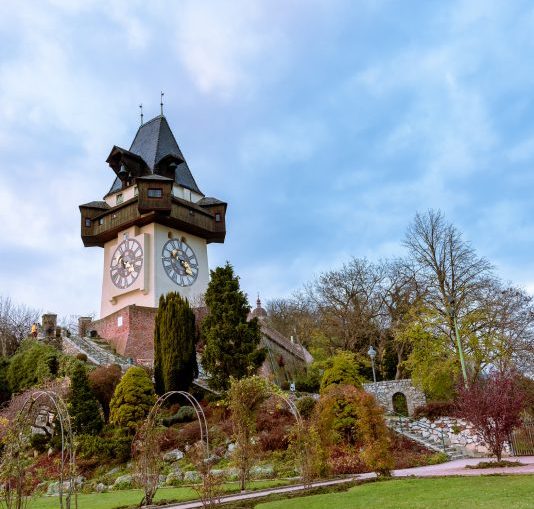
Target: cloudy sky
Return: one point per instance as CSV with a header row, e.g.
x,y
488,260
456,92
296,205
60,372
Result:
x,y
325,124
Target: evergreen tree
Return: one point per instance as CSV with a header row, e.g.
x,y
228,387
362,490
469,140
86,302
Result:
x,y
175,337
83,406
132,400
231,342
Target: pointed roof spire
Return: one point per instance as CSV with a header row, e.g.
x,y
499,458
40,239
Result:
x,y
258,311
154,142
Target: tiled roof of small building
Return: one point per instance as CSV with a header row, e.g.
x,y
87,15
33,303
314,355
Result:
x,y
208,200
96,205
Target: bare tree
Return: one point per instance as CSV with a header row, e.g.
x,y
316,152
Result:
x,y
293,317
400,292
348,303
446,265
452,275
15,324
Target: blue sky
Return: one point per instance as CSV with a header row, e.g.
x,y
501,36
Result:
x,y
325,124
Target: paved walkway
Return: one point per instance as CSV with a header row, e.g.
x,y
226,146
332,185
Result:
x,y
456,467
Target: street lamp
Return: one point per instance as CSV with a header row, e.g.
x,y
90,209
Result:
x,y
372,353
457,334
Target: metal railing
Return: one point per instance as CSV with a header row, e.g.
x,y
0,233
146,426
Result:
x,y
404,425
522,440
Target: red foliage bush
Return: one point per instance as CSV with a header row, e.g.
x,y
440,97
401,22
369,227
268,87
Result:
x,y
493,405
275,439
345,460
406,453
170,439
103,381
273,423
187,434
434,409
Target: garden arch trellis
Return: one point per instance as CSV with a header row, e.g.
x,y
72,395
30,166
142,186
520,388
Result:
x,y
23,421
147,445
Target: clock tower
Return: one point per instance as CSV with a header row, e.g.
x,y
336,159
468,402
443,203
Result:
x,y
154,225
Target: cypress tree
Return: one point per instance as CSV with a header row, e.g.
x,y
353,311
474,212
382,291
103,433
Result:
x,y
175,337
83,406
231,342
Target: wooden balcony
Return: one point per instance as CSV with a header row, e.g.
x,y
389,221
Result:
x,y
101,226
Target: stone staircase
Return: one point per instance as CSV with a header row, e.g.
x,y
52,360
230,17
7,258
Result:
x,y
98,354
401,425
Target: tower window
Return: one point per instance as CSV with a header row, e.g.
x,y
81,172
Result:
x,y
87,222
155,193
101,221
218,217
120,198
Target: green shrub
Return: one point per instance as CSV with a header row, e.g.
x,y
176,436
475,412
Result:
x,y
132,400
40,442
5,393
305,406
34,363
344,370
310,381
185,413
83,407
437,458
104,449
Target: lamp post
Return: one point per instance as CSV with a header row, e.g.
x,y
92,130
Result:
x,y
458,342
372,353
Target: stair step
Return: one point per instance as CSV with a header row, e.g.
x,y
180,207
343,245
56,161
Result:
x,y
451,451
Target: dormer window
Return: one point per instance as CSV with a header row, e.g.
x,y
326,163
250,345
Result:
x,y
155,192
120,199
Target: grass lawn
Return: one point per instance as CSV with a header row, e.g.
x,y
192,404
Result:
x,y
488,492
114,499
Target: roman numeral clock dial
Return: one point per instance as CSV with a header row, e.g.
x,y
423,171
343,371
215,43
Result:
x,y
126,263
180,262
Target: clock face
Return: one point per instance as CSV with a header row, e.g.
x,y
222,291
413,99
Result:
x,y
126,263
180,262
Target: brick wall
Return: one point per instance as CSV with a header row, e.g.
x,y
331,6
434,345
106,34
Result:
x,y
130,331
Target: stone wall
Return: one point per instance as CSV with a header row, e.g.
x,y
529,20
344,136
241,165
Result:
x,y
455,432
385,390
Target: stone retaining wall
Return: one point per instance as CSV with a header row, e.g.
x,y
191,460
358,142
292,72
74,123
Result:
x,y
456,432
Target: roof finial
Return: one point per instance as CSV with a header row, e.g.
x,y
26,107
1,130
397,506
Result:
x,y
141,108
161,103
258,301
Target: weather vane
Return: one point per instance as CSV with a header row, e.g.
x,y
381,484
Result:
x,y
161,103
141,109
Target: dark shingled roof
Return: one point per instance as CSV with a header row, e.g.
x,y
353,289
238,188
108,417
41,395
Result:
x,y
96,205
153,142
115,187
208,200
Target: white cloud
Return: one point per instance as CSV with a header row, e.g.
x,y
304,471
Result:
x,y
292,141
225,44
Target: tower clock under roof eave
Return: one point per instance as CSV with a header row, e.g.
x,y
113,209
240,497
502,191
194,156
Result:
x,y
154,224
